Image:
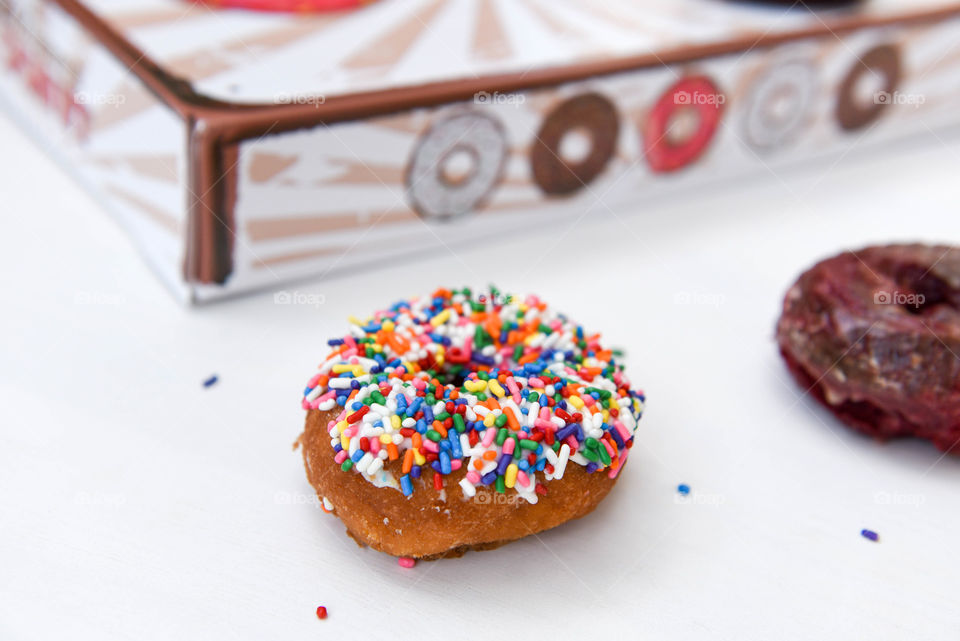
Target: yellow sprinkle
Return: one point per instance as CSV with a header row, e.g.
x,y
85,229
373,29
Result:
x,y
488,421
386,439
511,475
440,318
606,416
344,441
388,325
354,320
475,386
340,368
395,422
496,388
419,458
576,401
342,425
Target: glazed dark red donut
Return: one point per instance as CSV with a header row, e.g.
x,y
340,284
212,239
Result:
x,y
855,111
874,335
293,6
699,96
591,114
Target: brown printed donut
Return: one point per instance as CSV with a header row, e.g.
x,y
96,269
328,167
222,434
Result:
x,y
682,123
874,336
855,111
592,117
456,164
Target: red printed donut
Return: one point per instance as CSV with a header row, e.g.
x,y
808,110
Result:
x,y
588,119
682,123
857,107
291,6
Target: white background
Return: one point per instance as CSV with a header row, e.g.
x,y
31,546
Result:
x,y
138,504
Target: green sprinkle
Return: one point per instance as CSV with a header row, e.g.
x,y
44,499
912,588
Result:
x,y
433,435
442,416
590,455
458,423
529,444
500,421
604,455
501,436
346,465
500,485
591,443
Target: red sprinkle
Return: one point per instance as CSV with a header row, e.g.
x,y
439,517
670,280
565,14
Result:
x,y
321,612
406,562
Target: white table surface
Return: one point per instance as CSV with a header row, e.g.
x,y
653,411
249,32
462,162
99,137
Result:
x,y
139,505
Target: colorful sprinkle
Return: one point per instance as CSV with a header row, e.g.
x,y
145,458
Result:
x,y
321,612
406,562
870,534
210,382
501,386
684,489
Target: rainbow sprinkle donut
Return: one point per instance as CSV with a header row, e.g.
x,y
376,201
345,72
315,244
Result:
x,y
501,386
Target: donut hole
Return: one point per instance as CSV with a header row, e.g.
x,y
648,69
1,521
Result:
x,y
782,107
930,290
868,87
683,124
575,146
458,166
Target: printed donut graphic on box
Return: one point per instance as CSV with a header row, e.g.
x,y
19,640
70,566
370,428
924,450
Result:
x,y
682,124
588,120
869,87
456,164
780,104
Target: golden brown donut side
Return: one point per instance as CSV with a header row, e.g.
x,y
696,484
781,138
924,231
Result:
x,y
422,525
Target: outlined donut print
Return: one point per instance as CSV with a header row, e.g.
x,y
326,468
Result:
x,y
780,104
456,164
856,110
669,144
591,117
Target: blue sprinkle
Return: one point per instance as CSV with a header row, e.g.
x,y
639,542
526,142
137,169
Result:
x,y
592,467
210,382
357,456
488,478
870,534
444,462
406,485
683,488
415,471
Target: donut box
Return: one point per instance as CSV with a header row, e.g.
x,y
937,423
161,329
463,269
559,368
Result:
x,y
241,149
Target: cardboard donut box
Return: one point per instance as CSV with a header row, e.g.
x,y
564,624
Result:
x,y
243,149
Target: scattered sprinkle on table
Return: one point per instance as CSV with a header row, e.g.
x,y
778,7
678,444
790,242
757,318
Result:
x,y
406,562
870,534
321,612
684,489
210,382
